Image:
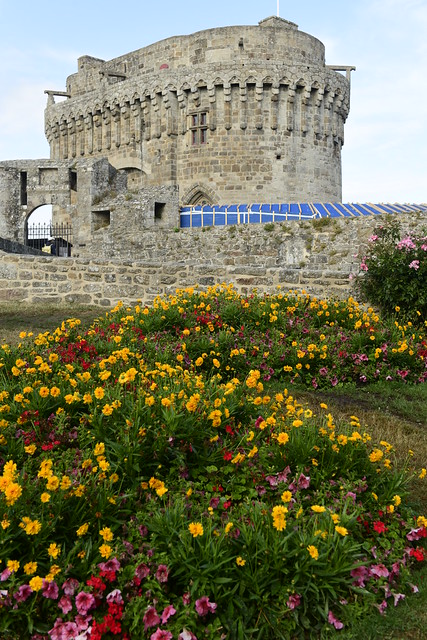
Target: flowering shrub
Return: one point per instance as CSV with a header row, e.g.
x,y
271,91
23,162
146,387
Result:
x,y
394,272
153,487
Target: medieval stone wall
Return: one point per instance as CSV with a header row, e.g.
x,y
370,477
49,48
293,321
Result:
x,y
318,256
234,114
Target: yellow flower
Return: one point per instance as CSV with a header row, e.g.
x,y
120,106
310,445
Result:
x,y
341,530
5,523
54,550
105,550
36,583
312,550
422,474
240,561
99,449
106,534
45,497
228,526
99,393
52,483
279,520
31,527
12,492
107,410
335,518
397,500
196,529
376,455
13,565
65,483
30,568
81,531
318,508
30,449
286,496
55,392
282,438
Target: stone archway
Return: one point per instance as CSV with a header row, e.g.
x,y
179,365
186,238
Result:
x,y
199,194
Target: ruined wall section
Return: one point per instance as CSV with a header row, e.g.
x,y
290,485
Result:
x,y
272,115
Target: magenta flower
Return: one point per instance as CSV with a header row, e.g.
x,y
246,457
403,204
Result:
x,y
294,601
303,481
397,597
5,575
167,613
151,618
70,586
65,604
23,593
186,599
416,534
382,607
379,570
142,571
50,590
162,573
161,634
111,565
186,635
115,596
63,630
203,606
84,602
415,264
332,619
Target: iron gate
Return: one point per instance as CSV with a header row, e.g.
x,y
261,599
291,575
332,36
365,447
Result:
x,y
45,235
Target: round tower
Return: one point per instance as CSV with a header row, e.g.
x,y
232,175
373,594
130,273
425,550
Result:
x,y
234,114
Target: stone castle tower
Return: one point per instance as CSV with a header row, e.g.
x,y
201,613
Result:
x,y
233,114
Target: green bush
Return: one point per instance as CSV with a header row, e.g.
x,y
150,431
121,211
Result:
x,y
394,272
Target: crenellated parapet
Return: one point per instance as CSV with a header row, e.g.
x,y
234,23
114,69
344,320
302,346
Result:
x,y
252,110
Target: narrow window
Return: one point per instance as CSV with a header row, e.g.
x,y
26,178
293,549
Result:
x,y
199,128
73,180
23,177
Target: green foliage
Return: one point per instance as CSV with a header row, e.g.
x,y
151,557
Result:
x,y
394,272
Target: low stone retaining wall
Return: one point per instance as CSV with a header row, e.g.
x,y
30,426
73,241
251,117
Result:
x,y
318,257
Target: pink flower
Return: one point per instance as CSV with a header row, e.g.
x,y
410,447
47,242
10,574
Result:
x,y
162,573
65,604
142,571
23,593
186,635
186,599
415,264
70,586
63,630
397,597
363,266
115,596
151,618
373,238
416,534
111,565
167,613
379,570
334,620
382,607
4,575
50,590
406,243
84,602
203,606
161,634
303,481
294,601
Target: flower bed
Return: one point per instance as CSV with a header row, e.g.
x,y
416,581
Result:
x,y
155,483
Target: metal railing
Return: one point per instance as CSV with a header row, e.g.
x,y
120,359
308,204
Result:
x,y
56,239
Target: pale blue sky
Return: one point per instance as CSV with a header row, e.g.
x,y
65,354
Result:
x,y
385,150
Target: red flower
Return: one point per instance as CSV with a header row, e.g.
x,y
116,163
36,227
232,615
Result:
x,y
379,526
417,553
227,456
